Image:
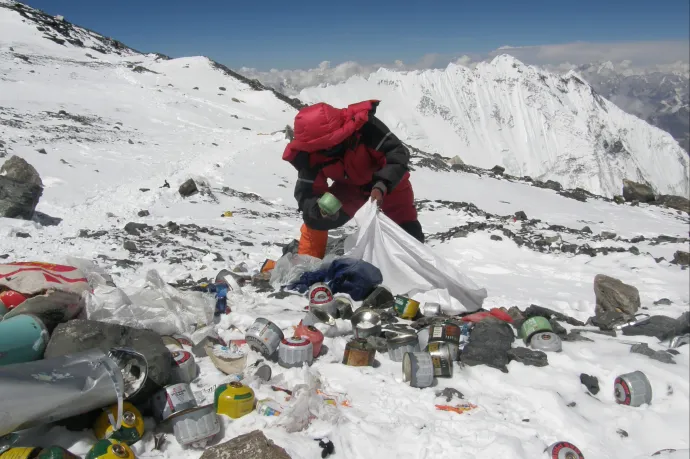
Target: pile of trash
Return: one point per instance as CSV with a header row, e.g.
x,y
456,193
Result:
x,y
77,351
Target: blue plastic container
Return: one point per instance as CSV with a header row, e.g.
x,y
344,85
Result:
x,y
23,338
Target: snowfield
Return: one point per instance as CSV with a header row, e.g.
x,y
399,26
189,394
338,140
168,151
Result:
x,y
123,134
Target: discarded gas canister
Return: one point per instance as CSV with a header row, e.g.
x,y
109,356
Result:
x,y
441,358
56,452
405,307
295,351
400,343
320,295
233,400
449,333
534,325
546,341
264,336
418,369
329,204
170,400
23,338
132,427
196,425
313,334
172,343
343,307
268,407
184,340
21,453
564,450
359,353
110,449
183,367
633,389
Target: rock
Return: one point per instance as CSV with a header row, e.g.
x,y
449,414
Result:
x,y
143,213
496,238
661,327
130,246
291,247
490,342
613,295
622,433
606,320
144,190
449,393
586,230
515,313
633,191
289,133
663,302
575,335
608,235
521,215
637,239
674,202
618,199
222,88
456,161
134,229
253,445
660,259
18,169
42,151
498,170
129,141
17,199
188,188
558,328
681,258
535,310
80,335
634,250
529,357
590,382
196,88
644,349
19,234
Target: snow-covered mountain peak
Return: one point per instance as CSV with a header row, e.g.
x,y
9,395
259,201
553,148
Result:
x,y
528,120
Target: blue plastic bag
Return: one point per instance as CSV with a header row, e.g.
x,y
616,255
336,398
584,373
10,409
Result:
x,y
357,278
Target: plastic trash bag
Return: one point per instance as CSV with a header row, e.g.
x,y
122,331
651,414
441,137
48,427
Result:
x,y
407,265
156,306
356,278
291,266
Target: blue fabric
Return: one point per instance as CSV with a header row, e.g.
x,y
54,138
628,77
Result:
x,y
357,278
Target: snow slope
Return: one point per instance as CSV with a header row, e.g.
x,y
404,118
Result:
x,y
525,119
94,184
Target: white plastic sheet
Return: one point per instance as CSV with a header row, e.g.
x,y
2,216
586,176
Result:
x,y
408,266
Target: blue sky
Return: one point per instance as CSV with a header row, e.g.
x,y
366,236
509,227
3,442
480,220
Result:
x,y
290,34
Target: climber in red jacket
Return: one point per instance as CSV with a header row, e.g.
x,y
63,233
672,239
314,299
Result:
x,y
364,160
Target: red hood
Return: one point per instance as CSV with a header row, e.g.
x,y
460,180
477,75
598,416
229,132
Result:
x,y
322,126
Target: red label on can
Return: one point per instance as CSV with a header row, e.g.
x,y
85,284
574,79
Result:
x,y
181,357
320,295
556,449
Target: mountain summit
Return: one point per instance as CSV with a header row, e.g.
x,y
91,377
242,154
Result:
x,y
528,120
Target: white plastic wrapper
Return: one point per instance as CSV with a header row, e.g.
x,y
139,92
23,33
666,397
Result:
x,y
156,306
291,266
407,265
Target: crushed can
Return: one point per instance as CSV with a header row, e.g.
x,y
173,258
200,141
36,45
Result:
x,y
233,400
534,325
264,336
171,400
110,449
406,308
56,452
564,450
268,407
23,338
21,453
295,352
130,432
359,353
380,298
401,343
632,389
418,369
441,357
449,333
196,425
183,367
343,308
313,334
546,341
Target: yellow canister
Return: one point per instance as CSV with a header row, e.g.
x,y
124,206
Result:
x,y
233,399
110,449
405,307
21,453
130,432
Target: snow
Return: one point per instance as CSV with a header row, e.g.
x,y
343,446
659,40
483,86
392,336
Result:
x,y
173,129
528,120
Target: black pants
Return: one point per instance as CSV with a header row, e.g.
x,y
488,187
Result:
x,y
414,229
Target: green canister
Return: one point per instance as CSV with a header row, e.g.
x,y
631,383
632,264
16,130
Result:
x,y
56,452
23,338
329,204
534,325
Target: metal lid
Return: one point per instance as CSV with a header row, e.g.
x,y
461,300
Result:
x,y
401,337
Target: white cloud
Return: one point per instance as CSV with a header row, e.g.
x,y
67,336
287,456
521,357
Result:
x,y
629,57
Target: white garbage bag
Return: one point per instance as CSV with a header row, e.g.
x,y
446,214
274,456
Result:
x,y
408,266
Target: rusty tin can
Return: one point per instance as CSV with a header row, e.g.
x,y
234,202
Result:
x,y
441,357
359,353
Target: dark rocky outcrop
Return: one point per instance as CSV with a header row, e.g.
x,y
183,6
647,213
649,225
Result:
x,y
681,258
660,356
188,188
253,445
633,191
674,202
529,357
490,342
20,189
614,297
590,382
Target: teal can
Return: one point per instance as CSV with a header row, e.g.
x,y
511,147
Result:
x,y
329,204
23,338
3,309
